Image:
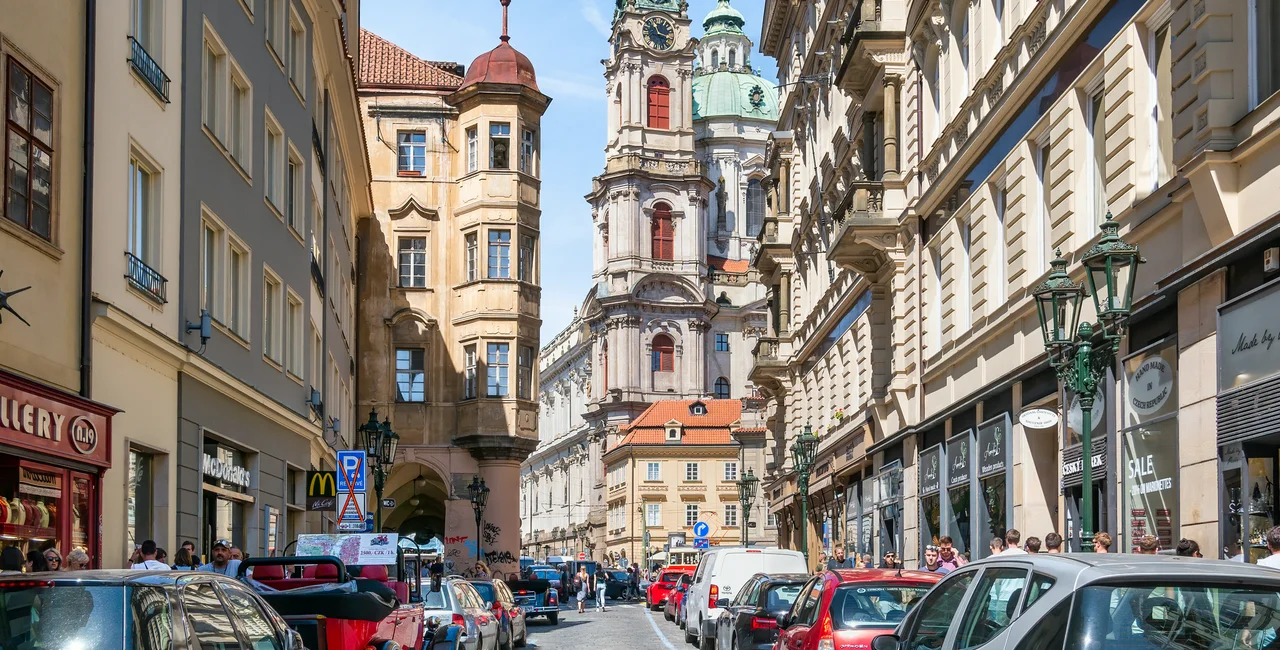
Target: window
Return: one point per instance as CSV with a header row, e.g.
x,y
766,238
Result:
x,y
526,151
690,514
770,520
755,207
1000,198
499,146
274,161
722,342
691,472
731,515
252,623
29,168
293,335
207,619
526,258
722,388
469,372
653,515
962,41
659,103
143,24
1043,230
662,232
990,608
297,54
935,308
473,150
524,372
215,69
411,375
1162,106
293,193
142,217
271,291
473,251
413,262
733,57
497,369
1098,159
317,359
964,288
140,497
413,153
731,470
715,59
1266,31
238,133
936,613
211,269
653,471
238,289
663,353
275,24
499,253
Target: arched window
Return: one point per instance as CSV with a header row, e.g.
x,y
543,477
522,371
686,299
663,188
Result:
x,y
715,59
662,233
733,57
663,355
659,103
755,207
722,388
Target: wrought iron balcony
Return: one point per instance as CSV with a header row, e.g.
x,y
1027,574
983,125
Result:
x,y
145,278
316,273
148,69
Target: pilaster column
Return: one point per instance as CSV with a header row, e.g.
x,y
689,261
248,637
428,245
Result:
x,y
892,84
784,303
785,205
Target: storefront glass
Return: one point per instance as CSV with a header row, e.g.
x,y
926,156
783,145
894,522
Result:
x,y
930,472
226,502
139,499
1150,446
959,471
889,507
1073,465
993,460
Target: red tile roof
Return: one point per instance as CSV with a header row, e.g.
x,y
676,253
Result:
x,y
383,63
728,265
709,429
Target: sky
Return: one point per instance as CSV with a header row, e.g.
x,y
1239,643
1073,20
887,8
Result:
x,y
565,40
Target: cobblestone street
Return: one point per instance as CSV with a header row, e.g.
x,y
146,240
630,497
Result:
x,y
626,626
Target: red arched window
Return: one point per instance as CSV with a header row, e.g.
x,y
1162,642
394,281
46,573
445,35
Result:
x,y
663,354
662,233
659,103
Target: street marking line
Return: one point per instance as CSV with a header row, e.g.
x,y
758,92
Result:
x,y
661,637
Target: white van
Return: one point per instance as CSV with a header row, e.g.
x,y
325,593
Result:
x,y
721,573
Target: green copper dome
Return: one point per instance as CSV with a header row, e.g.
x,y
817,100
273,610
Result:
x,y
734,94
646,5
724,19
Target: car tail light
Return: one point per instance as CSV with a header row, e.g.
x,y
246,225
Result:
x,y
497,608
827,639
551,597
763,623
714,594
459,620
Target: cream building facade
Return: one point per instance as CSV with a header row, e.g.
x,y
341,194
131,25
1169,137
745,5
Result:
x,y
985,137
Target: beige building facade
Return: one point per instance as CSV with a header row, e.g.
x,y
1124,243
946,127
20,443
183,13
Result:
x,y
984,138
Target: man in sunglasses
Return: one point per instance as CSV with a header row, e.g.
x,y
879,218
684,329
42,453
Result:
x,y
931,563
947,555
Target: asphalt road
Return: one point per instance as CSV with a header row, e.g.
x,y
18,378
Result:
x,y
623,626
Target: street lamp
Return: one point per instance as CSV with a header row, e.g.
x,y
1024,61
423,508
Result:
x,y
380,444
479,494
1081,361
802,452
747,486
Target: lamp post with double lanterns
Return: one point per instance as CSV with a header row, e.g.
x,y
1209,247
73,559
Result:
x,y
1081,353
380,444
747,486
479,493
802,452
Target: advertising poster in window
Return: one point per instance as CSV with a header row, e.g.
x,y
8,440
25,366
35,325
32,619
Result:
x,y
1150,445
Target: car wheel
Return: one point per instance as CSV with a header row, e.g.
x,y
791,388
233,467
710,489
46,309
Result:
x,y
667,615
688,637
705,643
523,640
554,618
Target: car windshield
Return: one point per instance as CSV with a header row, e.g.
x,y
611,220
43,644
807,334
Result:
x,y
69,616
486,591
1174,617
434,599
546,574
621,576
862,605
780,597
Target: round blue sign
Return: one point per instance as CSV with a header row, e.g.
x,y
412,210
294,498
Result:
x,y
701,529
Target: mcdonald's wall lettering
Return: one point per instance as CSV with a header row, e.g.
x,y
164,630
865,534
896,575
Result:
x,y
322,491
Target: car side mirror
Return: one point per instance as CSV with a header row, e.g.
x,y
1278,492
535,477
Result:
x,y
293,641
722,603
783,621
885,642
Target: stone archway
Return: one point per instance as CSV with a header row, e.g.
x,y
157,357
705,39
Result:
x,y
421,495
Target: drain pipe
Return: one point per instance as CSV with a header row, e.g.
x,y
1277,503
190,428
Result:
x,y
86,233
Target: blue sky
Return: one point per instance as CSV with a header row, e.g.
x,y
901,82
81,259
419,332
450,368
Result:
x,y
565,39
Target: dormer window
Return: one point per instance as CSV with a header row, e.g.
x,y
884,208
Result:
x,y
675,431
697,408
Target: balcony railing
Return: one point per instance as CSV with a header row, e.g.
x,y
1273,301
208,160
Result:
x,y
317,274
145,278
768,352
148,69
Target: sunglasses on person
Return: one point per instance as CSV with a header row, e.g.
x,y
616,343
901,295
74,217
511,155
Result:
x,y
931,547
53,559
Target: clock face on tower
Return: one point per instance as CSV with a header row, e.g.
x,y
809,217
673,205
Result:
x,y
659,34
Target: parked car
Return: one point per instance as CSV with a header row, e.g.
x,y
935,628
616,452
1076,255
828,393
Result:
x,y
536,598
676,596
511,622
617,583
750,621
656,595
850,607
1099,602
721,574
101,609
458,603
548,573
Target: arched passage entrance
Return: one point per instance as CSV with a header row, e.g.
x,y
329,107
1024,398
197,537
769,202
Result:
x,y
421,495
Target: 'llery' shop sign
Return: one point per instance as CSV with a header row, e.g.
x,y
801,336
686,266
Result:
x,y
1249,339
39,418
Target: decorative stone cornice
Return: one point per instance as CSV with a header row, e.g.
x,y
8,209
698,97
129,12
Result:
x,y
497,447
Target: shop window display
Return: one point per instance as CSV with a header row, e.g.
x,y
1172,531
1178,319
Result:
x,y
959,462
226,498
37,511
1149,444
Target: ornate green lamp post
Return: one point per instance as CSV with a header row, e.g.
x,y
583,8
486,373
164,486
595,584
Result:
x,y
380,444
479,493
1081,353
802,452
747,486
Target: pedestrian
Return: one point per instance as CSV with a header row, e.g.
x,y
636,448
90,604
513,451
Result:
x,y
947,555
481,571
582,584
184,561
11,560
137,555
55,561
222,562
602,587
77,560
997,545
931,561
822,562
890,561
1234,551
839,561
162,555
1011,540
1102,542
1032,545
149,561
35,562
1273,545
1187,548
1148,545
1052,543
867,561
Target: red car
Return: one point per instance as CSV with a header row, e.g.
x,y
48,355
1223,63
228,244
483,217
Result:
x,y
675,598
850,607
661,588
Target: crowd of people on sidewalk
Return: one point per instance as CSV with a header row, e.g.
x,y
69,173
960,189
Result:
x,y
147,556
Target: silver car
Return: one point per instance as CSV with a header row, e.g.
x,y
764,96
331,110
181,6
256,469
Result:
x,y
1095,602
458,602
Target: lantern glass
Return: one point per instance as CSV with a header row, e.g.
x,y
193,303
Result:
x,y
473,489
371,437
1058,306
483,498
1112,264
390,443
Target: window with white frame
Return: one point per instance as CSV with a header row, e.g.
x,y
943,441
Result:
x,y
499,145
293,195
411,154
526,151
214,86
473,252
297,55
143,220
1161,62
964,283
473,149
524,372
525,269
238,288
653,471
690,514
469,372
653,515
275,25
499,254
962,50
1097,160
411,375
272,290
211,268
999,198
413,262
1042,232
731,515
691,471
317,359
145,26
731,470
498,368
293,332
1265,50
935,302
274,161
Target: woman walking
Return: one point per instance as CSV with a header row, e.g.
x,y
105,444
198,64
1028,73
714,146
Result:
x,y
582,582
602,587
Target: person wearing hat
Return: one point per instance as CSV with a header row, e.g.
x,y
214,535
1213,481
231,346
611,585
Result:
x,y
222,562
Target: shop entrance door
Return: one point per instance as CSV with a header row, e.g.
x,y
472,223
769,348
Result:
x,y
1249,499
1075,503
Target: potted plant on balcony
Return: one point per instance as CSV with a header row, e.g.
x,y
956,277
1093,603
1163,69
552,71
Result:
x,y
838,415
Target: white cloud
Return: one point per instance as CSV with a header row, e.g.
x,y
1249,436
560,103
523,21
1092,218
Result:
x,y
565,88
591,14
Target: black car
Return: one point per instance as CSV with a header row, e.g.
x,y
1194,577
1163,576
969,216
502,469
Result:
x,y
750,621
154,610
618,582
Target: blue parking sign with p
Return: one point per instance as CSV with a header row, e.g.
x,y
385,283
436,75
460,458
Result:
x,y
351,471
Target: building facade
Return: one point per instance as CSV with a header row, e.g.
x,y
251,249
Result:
x,y
990,138
449,288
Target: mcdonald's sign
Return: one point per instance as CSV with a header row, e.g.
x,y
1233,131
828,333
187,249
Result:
x,y
322,491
